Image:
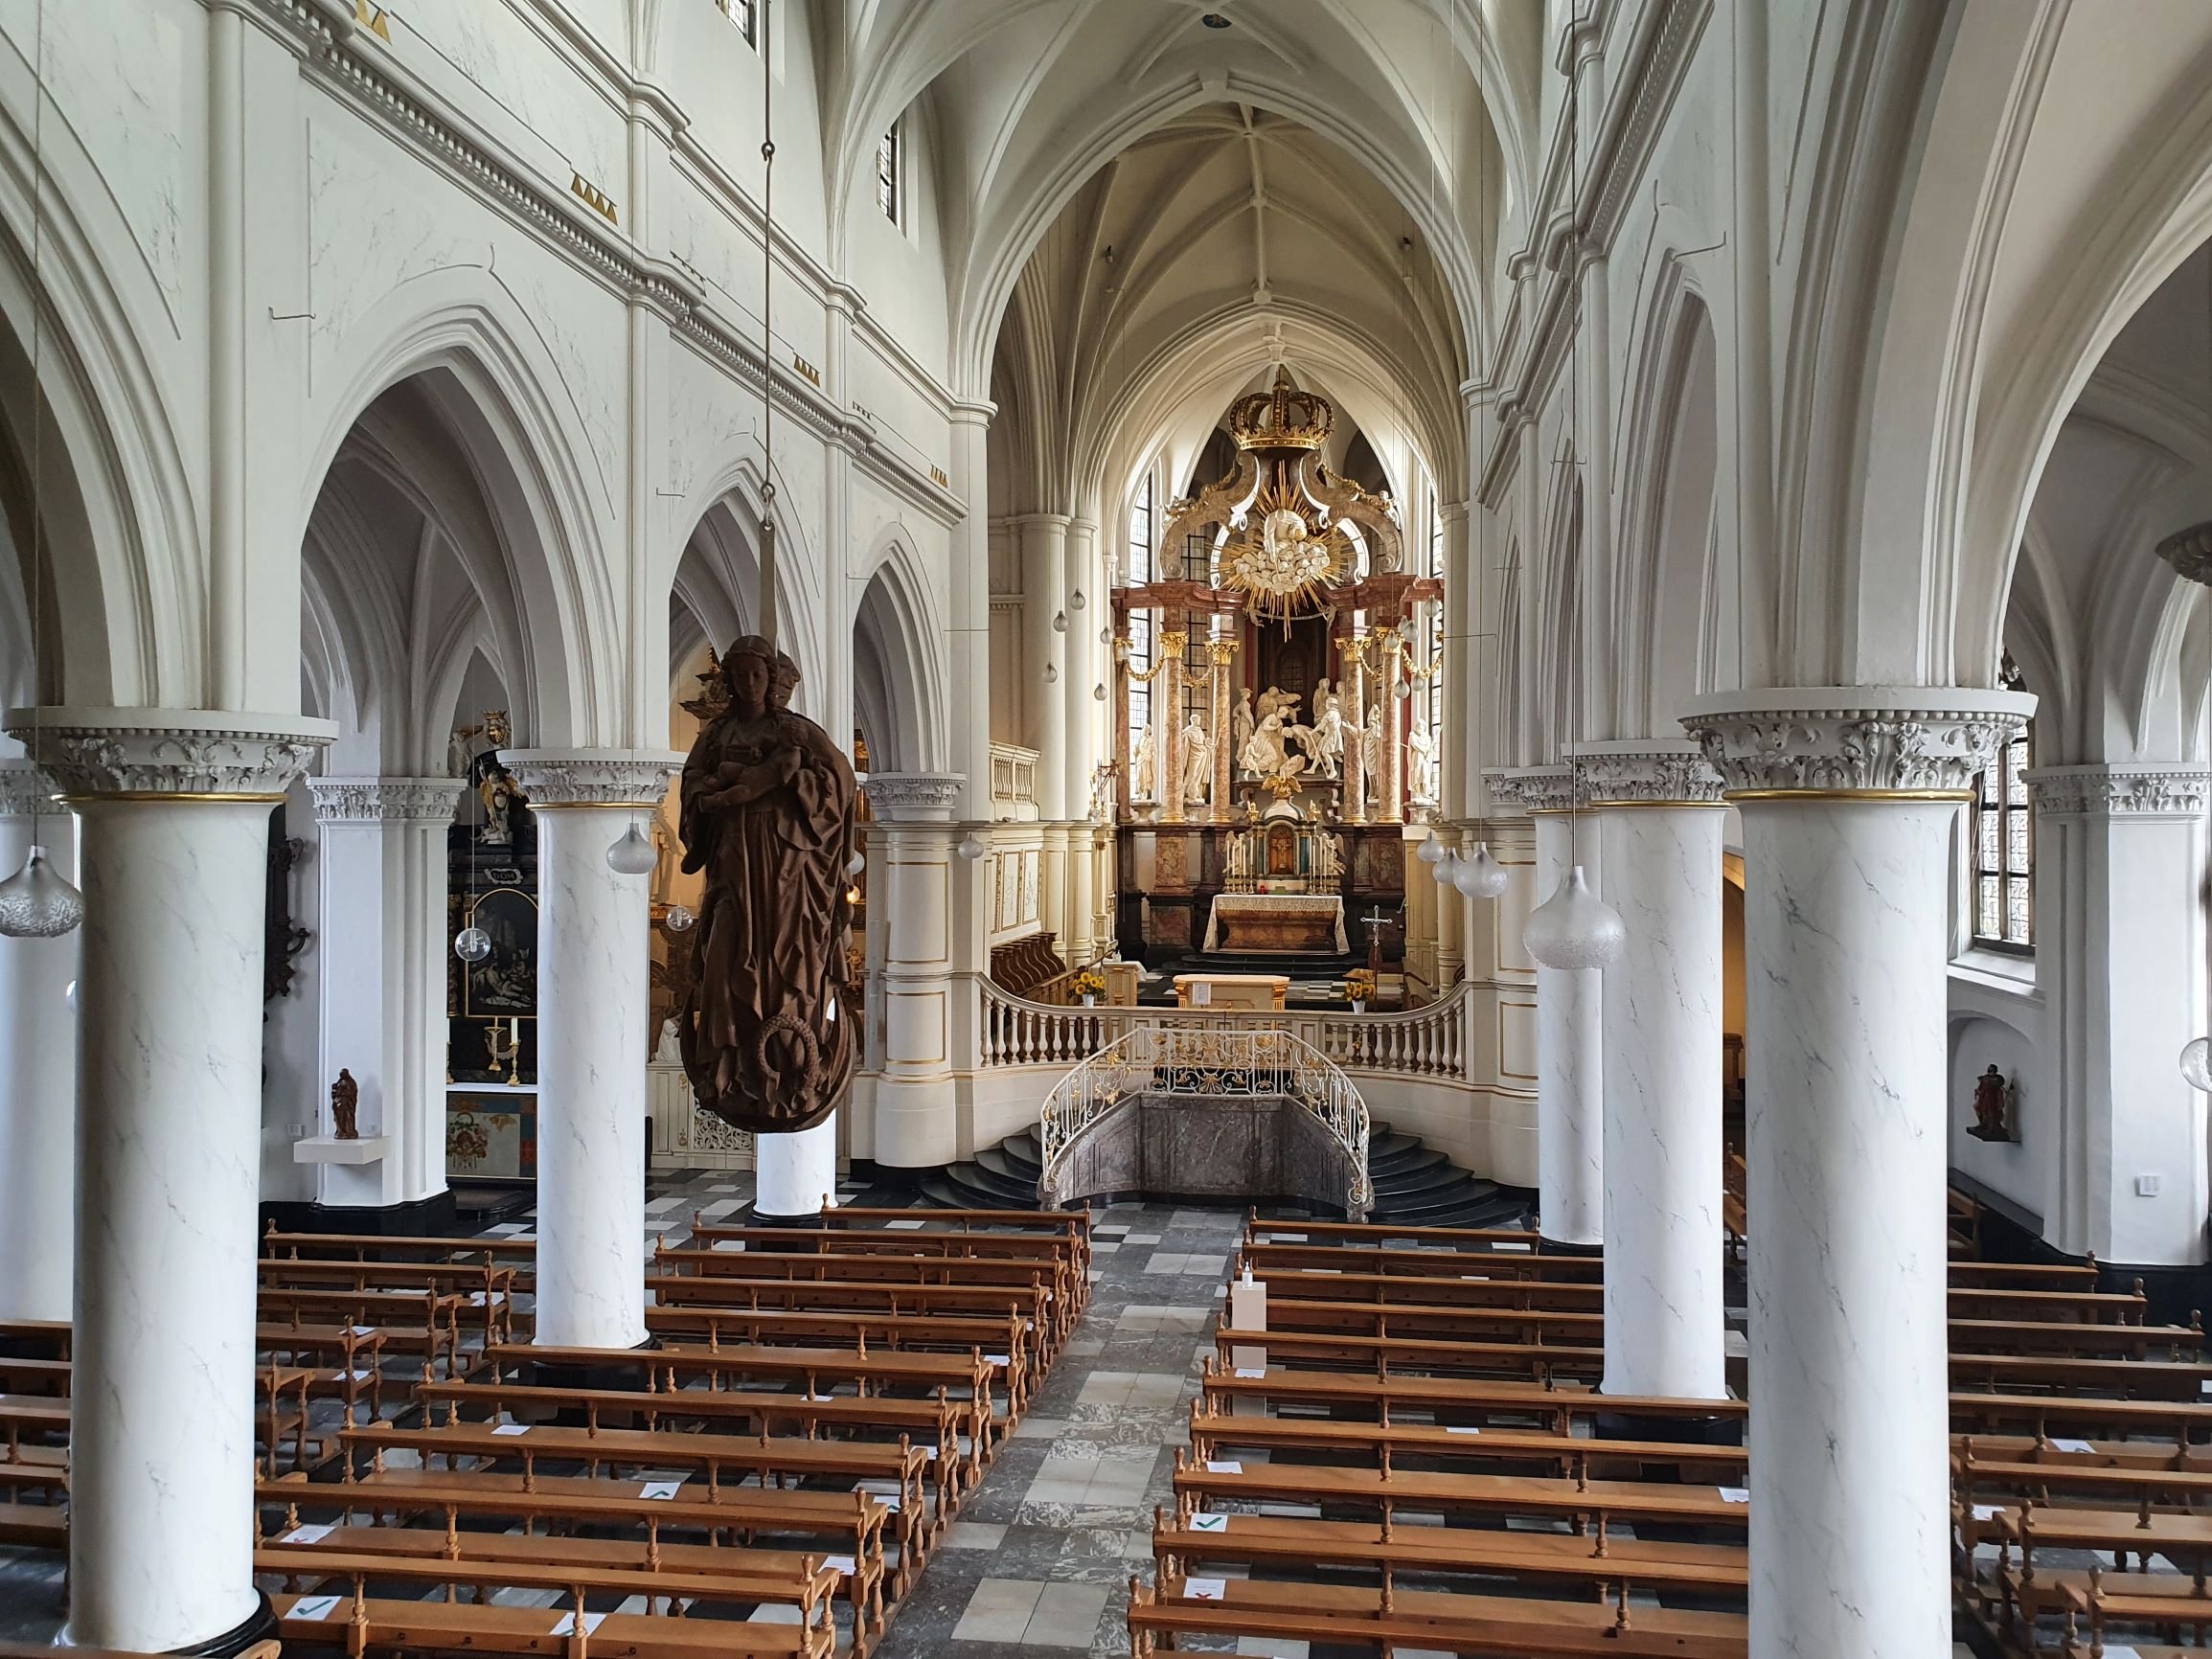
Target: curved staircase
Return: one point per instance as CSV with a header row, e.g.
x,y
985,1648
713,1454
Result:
x,y
1415,1184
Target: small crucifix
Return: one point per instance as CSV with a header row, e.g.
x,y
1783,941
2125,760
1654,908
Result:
x,y
1374,921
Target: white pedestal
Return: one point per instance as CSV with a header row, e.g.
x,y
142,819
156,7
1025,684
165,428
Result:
x,y
796,1176
330,1149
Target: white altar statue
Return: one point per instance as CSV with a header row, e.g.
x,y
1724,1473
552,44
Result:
x,y
1265,756
1241,720
1370,752
1143,768
671,1052
1198,763
1421,753
1328,748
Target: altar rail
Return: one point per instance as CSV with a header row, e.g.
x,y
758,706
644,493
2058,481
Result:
x,y
1424,1042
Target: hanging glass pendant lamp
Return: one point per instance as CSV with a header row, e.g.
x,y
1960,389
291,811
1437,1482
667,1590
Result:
x,y
633,854
1431,850
1575,929
1481,877
37,902
2197,1064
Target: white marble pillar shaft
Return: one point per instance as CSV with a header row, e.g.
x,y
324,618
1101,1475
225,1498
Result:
x,y
796,1174
1664,1323
383,868
1844,939
593,966
175,808
1569,1059
912,881
1079,675
1044,596
1848,797
38,1084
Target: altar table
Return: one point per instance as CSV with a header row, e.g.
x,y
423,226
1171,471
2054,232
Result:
x,y
1265,991
1287,923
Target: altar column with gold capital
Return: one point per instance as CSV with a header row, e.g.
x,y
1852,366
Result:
x,y
1222,652
1352,649
1168,724
1390,795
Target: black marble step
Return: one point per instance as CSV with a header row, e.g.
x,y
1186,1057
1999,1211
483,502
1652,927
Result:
x,y
1411,1207
1413,1160
1024,1149
1000,1162
1396,1187
1384,1142
1005,1190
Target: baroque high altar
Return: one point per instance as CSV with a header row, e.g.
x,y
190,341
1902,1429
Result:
x,y
1279,750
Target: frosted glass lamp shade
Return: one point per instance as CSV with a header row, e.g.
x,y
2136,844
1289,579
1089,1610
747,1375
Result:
x,y
1575,929
679,919
1481,877
37,902
1431,850
2197,1064
1060,621
1445,869
472,944
632,854
972,846
1051,674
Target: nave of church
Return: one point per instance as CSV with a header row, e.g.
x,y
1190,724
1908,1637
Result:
x,y
1317,827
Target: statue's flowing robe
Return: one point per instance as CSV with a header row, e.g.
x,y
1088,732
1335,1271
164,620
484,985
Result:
x,y
767,1006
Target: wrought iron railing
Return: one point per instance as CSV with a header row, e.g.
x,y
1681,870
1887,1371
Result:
x,y
1208,1062
1424,1042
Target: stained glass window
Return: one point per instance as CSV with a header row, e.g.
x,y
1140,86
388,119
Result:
x,y
2004,854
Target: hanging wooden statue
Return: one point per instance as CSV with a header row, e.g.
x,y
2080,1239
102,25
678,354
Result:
x,y
768,804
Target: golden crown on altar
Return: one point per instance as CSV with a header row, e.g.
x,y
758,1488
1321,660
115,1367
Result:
x,y
1282,418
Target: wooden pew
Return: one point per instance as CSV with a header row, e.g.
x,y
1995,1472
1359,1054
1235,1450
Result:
x,y
1497,1627
2176,1380
1524,1353
1436,1261
1001,1342
1467,1289
1028,1304
35,1338
483,1286
787,1267
1461,1400
2067,1336
1072,1224
503,1250
1359,1233
34,1378
427,1323
362,1624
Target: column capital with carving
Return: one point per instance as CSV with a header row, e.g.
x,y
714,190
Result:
x,y
2143,789
385,799
1534,788
181,754
1898,741
26,789
1646,772
637,779
914,797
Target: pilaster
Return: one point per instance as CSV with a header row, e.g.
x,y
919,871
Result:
x,y
916,1023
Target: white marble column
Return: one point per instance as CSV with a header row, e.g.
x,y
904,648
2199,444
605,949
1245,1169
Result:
x,y
1044,705
593,966
1081,666
382,862
1570,1029
1659,818
796,1174
174,810
38,1083
910,897
2120,962
1848,797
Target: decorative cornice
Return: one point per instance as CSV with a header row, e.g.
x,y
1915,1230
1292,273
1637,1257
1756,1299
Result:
x,y
26,789
384,799
1534,788
1875,739
207,754
634,778
914,797
2145,790
382,88
1646,771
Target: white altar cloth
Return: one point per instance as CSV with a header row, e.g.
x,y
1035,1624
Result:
x,y
1259,905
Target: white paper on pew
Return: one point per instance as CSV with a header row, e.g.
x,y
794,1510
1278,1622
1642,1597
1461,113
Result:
x,y
1252,1372
476,1299
998,1359
1286,1238
312,1534
1214,1589
2204,1387
1460,1428
727,1244
2115,1652
1505,1247
2072,1445
353,1375
1990,1513
1224,1466
1209,1523
567,1624
364,1331
839,1565
511,1428
928,1454
1734,1494
323,1606
661,1488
